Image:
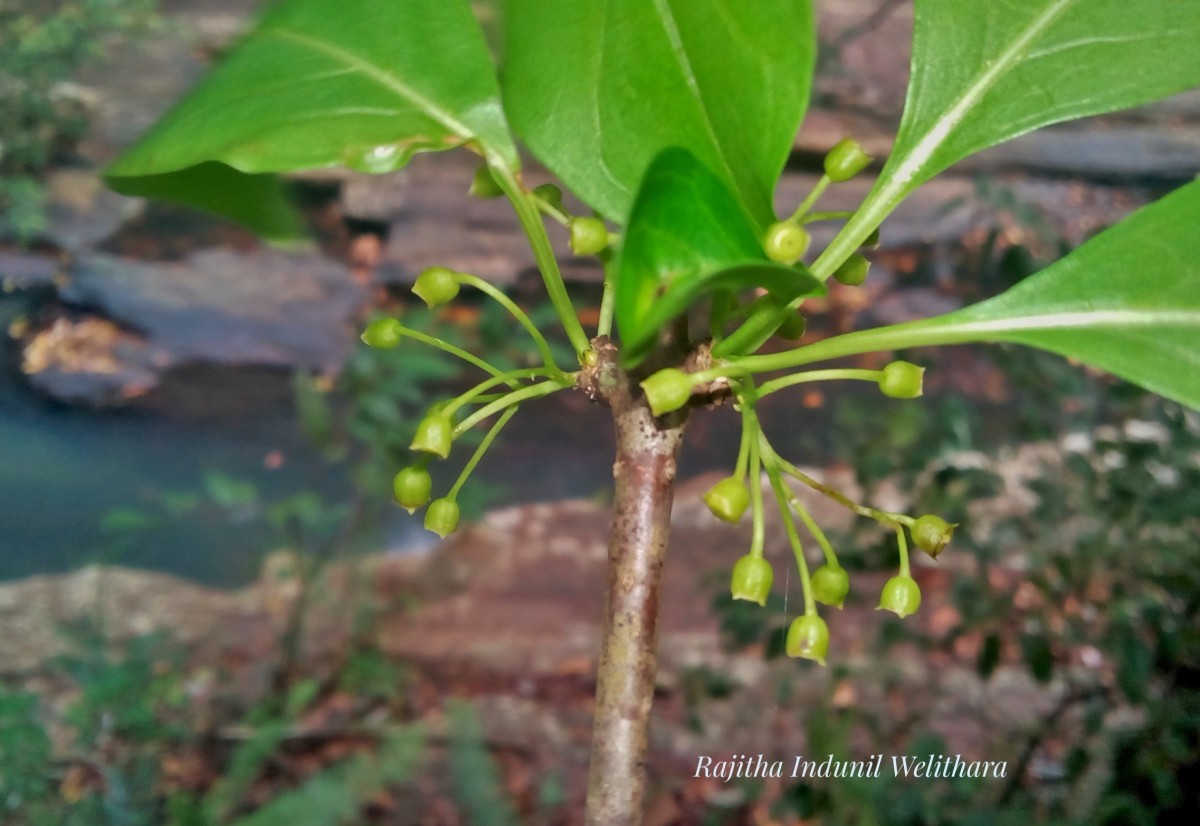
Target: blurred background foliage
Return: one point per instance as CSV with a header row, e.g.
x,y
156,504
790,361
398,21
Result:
x,y
42,46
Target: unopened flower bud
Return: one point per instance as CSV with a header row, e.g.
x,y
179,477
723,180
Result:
x,y
667,390
383,333
853,271
902,380
442,517
846,160
786,242
483,185
932,534
830,584
752,578
550,194
411,487
436,286
435,434
589,236
793,327
728,499
808,637
901,595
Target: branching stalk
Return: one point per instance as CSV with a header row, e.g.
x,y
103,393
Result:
x,y
469,468
476,393
507,303
447,347
531,220
516,397
609,297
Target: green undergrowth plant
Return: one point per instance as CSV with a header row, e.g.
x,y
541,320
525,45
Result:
x,y
42,46
143,736
672,122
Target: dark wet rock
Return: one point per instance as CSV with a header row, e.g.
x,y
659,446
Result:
x,y
131,321
1117,151
81,212
267,307
949,207
90,360
20,270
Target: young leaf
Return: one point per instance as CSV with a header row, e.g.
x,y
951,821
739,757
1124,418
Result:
x,y
986,72
597,88
687,236
1127,301
365,87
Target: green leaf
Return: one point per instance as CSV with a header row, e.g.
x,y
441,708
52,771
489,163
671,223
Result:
x,y
363,85
687,237
1127,301
985,72
597,88
259,202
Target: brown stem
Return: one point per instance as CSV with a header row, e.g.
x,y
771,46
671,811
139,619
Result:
x,y
644,473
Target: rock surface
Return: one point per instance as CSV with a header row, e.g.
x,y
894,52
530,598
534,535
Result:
x,y
223,307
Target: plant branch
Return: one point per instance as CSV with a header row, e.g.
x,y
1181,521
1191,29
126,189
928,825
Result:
x,y
644,473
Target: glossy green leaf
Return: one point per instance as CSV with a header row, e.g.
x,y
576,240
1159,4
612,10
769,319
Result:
x,y
259,201
984,72
361,84
1128,301
688,236
987,72
597,88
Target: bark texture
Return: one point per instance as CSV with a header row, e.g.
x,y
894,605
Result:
x,y
644,474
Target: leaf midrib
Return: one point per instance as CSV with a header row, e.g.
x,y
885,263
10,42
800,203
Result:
x,y
380,76
895,184
671,29
944,126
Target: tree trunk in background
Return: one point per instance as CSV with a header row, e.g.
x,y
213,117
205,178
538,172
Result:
x,y
644,473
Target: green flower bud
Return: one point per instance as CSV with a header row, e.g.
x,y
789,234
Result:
x,y
436,285
786,242
808,637
830,584
853,270
549,193
901,595
752,578
846,160
483,185
411,487
442,517
902,380
667,390
792,329
589,236
435,434
872,240
932,534
728,499
383,333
